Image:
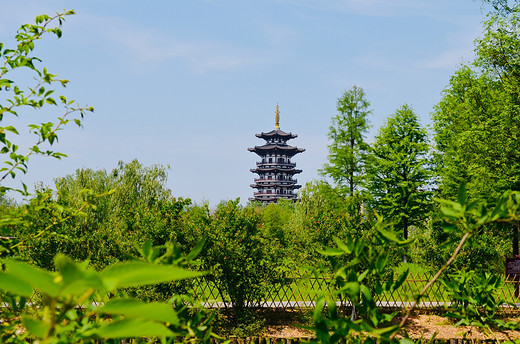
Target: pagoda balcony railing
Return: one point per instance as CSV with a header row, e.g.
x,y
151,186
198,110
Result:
x,y
287,165
286,195
277,181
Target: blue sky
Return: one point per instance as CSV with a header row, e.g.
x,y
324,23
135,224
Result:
x,y
189,83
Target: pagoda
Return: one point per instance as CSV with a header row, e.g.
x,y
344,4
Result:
x,y
275,170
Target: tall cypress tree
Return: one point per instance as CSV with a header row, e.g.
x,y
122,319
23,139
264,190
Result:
x,y
347,150
397,170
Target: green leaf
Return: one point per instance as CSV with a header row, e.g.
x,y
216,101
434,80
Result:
x,y
366,292
381,262
362,276
406,341
39,279
35,326
400,280
391,236
132,308
450,212
147,251
133,274
75,279
5,82
331,252
196,250
127,328
341,244
15,285
462,194
352,289
11,129
500,209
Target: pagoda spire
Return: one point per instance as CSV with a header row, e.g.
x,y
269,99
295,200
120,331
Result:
x,y
277,118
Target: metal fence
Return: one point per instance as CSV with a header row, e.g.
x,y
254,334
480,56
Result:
x,y
300,292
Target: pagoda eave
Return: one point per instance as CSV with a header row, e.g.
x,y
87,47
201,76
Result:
x,y
265,149
267,185
276,133
275,169
269,147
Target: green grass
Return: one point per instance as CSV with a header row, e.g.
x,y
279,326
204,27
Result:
x,y
309,289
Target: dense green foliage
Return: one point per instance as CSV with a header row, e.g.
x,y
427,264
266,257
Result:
x,y
80,305
477,122
134,207
241,260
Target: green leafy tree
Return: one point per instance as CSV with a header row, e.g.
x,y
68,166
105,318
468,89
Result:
x,y
476,125
275,227
323,213
348,147
478,118
398,172
238,257
135,206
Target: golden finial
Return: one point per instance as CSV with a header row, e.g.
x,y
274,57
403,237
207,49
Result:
x,y
277,118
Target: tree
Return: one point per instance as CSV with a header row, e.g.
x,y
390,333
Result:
x,y
348,147
478,118
135,207
476,125
238,257
398,172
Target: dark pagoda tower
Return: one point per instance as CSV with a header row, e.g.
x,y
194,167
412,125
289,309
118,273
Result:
x,y
275,170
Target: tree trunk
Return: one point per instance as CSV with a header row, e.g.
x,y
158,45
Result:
x,y
405,235
515,240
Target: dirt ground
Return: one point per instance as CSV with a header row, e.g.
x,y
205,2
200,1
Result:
x,y
426,325
419,325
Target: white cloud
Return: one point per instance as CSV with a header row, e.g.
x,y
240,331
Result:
x,y
149,48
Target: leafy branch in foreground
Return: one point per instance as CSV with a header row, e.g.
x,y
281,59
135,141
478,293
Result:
x,y
361,277
81,305
19,63
17,97
464,219
475,301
